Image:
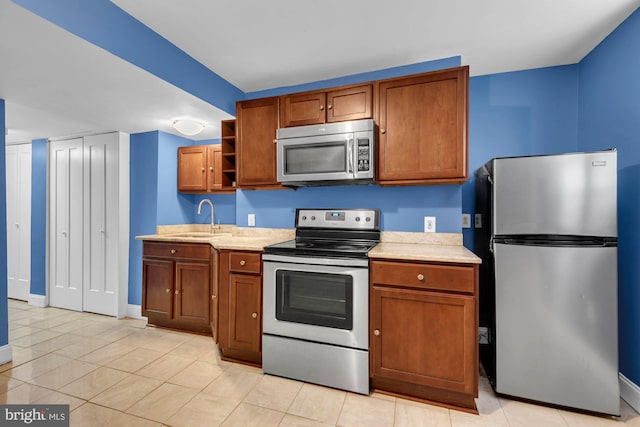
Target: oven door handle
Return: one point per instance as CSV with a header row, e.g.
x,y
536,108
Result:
x,y
341,262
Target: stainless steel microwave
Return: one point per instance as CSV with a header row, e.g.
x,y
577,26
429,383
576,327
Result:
x,y
333,153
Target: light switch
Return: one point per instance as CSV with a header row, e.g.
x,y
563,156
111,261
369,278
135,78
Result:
x,y
251,220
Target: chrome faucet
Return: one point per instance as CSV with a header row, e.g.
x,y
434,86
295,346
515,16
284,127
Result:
x,y
213,227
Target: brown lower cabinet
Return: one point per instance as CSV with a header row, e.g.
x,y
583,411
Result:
x,y
240,306
176,285
424,331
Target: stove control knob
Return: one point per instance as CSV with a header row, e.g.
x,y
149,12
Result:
x,y
368,219
357,219
304,217
313,218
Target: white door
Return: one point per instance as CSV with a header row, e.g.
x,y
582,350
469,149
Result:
x,y
66,224
101,224
18,168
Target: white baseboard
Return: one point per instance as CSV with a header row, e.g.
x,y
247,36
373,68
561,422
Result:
x,y
6,354
135,312
630,392
37,300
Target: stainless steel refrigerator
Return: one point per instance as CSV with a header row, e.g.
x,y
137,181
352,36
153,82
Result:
x,y
549,280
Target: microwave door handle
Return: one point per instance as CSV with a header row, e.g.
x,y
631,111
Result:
x,y
351,154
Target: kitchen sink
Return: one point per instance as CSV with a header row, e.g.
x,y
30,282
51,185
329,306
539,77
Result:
x,y
201,235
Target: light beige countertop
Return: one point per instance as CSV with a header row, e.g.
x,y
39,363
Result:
x,y
394,245
438,247
226,237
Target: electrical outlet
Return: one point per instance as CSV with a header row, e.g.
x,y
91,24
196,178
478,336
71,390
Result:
x,y
478,221
483,335
466,221
429,224
251,220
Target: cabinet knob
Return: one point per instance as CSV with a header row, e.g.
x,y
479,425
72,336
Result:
x,y
213,297
376,332
254,315
211,168
202,169
168,290
321,107
383,130
242,262
275,140
329,107
173,251
177,292
420,276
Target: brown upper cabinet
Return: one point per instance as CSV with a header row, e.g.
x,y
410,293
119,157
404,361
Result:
x,y
256,124
422,121
200,169
317,107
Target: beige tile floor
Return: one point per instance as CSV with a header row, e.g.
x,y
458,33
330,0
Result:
x,y
122,373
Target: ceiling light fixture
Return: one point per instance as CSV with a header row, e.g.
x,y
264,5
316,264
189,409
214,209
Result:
x,y
188,127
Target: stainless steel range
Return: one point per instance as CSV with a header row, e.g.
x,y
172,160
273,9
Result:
x,y
316,299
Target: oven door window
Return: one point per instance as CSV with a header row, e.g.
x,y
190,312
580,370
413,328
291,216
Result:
x,y
311,298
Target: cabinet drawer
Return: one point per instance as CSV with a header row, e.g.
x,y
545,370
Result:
x,y
427,276
177,250
245,262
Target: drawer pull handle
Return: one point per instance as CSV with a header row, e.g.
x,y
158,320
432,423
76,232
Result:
x,y
173,251
376,332
420,277
254,315
168,290
242,262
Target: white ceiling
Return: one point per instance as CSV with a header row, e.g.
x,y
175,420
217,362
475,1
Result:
x,y
56,84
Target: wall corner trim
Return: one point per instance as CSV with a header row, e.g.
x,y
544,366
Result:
x,y
135,312
6,354
630,392
37,300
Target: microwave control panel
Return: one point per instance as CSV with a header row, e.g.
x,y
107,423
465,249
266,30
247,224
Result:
x,y
364,158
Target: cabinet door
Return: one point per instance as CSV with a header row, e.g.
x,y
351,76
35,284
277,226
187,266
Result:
x,y
215,286
245,314
192,163
301,109
192,292
424,338
353,103
214,167
423,128
257,121
157,288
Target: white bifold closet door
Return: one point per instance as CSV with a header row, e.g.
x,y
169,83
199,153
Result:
x,y
66,220
18,169
85,225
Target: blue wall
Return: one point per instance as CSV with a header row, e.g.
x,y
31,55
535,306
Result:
x,y
4,305
610,117
518,114
38,216
143,203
